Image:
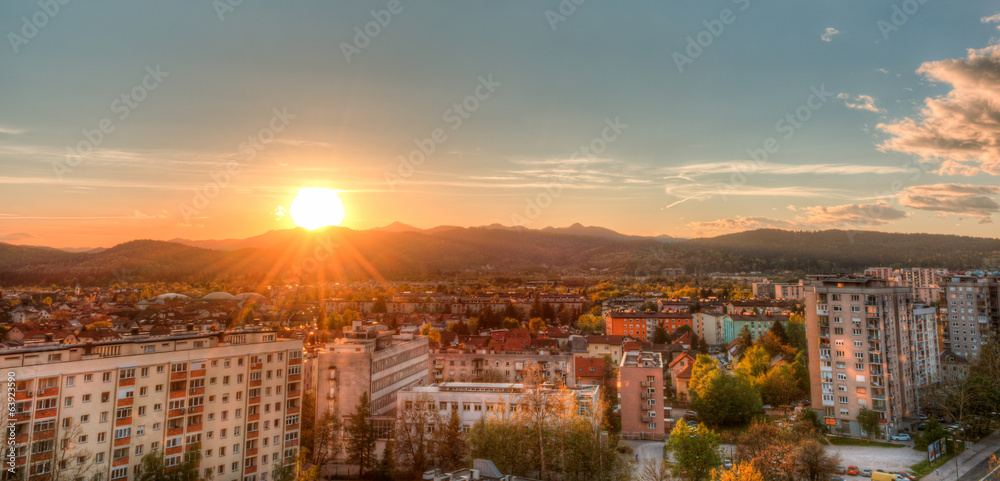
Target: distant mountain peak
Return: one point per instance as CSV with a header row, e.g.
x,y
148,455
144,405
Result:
x,y
398,227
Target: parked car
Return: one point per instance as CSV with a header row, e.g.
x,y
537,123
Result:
x,y
691,415
921,427
852,470
902,437
840,469
866,473
905,476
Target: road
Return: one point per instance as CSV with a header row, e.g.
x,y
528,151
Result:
x,y
982,469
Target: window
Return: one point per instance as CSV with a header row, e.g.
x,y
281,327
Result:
x,y
143,391
126,373
70,380
84,418
106,377
88,377
144,372
69,401
118,473
102,437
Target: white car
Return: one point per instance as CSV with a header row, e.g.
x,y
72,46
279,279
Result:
x,y
901,437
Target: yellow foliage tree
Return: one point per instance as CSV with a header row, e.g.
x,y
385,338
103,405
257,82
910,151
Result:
x,y
740,472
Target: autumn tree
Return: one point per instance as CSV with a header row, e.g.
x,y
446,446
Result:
x,y
739,472
590,324
810,461
414,437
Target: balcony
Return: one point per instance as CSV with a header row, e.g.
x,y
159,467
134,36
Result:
x,y
251,453
175,432
178,376
45,413
125,402
120,461
123,421
256,366
196,391
180,393
250,470
292,394
256,383
253,434
126,382
254,400
292,362
122,441
173,450
194,428
46,392
173,413
294,377
198,373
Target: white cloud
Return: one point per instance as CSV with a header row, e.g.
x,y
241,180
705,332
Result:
x,y
828,34
859,102
882,70
991,19
958,130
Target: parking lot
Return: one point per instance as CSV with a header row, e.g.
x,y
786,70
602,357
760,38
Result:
x,y
885,459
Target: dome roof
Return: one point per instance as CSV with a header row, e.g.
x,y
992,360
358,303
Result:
x,y
218,296
171,295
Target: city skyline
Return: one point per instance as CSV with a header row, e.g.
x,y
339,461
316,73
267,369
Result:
x,y
687,120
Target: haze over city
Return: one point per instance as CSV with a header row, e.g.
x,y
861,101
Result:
x,y
690,119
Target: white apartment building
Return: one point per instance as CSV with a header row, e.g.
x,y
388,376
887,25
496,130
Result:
x,y
369,359
93,410
475,400
863,340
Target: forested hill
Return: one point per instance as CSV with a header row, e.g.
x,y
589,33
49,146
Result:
x,y
344,254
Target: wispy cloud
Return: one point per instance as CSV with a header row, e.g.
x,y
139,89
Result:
x,y
828,34
859,102
991,19
960,199
690,170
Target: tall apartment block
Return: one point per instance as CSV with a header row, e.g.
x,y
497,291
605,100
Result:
x,y
372,359
93,410
864,350
970,312
640,386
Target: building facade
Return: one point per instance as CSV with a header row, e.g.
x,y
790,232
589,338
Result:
x,y
368,359
970,312
93,410
494,366
640,386
862,343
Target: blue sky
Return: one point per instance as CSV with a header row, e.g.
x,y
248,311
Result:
x,y
277,73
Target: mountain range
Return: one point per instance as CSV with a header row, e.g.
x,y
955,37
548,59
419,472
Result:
x,y
402,252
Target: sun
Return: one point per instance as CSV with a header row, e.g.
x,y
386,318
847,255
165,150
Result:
x,y
317,207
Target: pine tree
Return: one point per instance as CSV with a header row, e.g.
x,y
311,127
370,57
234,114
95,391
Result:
x,y
451,446
361,435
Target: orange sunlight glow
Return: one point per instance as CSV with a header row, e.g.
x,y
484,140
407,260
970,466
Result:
x,y
316,207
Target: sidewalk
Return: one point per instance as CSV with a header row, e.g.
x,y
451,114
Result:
x,y
968,460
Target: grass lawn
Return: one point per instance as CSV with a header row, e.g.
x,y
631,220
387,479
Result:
x,y
924,468
841,441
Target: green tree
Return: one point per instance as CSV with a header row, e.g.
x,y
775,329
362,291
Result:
x,y
746,339
754,364
433,334
590,324
868,420
660,336
695,451
361,435
932,432
154,468
779,332
797,332
450,446
701,373
727,400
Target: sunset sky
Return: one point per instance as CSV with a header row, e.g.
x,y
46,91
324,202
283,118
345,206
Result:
x,y
897,126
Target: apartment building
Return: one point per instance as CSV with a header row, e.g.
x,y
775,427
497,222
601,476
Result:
x,y
474,400
642,324
862,341
500,366
640,386
922,338
368,359
970,312
93,410
779,291
709,327
758,325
